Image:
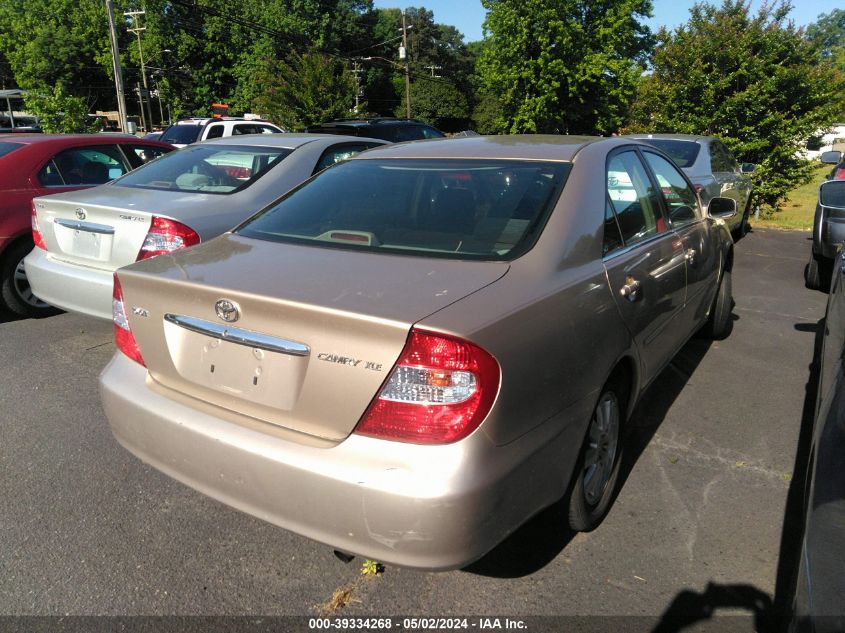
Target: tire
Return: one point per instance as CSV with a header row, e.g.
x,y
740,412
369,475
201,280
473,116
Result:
x,y
742,230
812,273
597,472
719,324
818,273
15,292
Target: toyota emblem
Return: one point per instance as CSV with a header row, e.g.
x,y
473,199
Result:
x,y
80,213
227,310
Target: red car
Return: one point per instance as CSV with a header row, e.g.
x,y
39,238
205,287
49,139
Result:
x,y
40,164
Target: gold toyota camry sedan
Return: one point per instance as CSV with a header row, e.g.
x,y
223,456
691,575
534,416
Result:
x,y
418,349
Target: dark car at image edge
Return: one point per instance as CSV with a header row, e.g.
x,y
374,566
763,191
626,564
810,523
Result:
x,y
385,128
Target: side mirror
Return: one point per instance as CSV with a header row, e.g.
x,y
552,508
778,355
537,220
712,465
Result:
x,y
722,208
748,168
832,158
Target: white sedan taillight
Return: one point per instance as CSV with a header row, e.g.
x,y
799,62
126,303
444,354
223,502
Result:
x,y
36,231
123,337
439,391
166,236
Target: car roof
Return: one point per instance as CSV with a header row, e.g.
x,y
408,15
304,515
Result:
x,y
288,140
520,147
366,122
205,120
79,139
697,138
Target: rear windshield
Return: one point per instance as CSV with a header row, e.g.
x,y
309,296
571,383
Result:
x,y
218,169
461,209
183,134
6,147
683,153
399,133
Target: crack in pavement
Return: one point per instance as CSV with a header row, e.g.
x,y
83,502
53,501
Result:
x,y
723,457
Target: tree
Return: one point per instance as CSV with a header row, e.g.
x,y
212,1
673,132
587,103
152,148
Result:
x,y
51,41
438,102
564,65
305,90
58,111
828,33
753,80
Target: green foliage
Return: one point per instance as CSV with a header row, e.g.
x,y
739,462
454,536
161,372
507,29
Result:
x,y
59,112
487,114
52,41
564,65
305,90
438,102
828,33
751,79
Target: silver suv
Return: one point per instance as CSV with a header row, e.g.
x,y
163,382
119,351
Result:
x,y
187,131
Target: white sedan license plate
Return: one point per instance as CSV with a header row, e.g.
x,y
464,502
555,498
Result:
x,y
87,244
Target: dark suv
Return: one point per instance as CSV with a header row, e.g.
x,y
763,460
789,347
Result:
x,y
386,129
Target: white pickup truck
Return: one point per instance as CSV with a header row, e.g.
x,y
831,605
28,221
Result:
x,y
187,131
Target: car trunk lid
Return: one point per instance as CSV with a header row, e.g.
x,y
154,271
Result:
x,y
95,234
317,333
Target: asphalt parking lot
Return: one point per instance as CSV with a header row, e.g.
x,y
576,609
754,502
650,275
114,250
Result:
x,y
698,527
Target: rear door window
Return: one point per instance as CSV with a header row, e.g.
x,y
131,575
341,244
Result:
x,y
633,198
721,160
679,198
215,131
246,128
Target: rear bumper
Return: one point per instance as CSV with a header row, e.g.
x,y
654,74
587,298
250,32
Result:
x,y
416,506
68,286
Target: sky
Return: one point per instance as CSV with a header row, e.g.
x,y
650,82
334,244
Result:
x,y
467,15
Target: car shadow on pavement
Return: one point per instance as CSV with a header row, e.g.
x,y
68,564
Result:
x,y
792,532
690,608
540,540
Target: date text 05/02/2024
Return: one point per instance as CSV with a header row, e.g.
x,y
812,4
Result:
x,y
417,624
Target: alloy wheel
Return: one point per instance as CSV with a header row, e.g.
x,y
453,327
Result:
x,y
602,444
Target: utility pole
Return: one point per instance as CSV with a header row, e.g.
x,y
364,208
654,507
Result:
x,y
356,71
141,106
403,54
146,94
118,73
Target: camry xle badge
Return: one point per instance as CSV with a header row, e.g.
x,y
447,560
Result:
x,y
227,310
80,213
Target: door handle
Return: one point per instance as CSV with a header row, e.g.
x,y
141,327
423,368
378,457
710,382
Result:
x,y
689,255
630,289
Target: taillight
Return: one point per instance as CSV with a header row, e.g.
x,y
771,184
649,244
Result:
x,y
439,391
123,336
36,231
166,236
840,174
